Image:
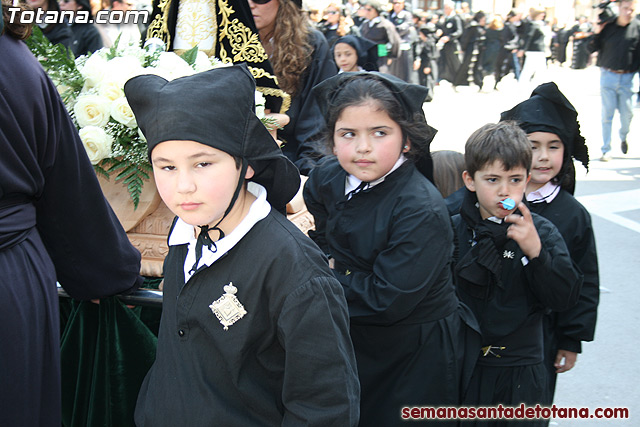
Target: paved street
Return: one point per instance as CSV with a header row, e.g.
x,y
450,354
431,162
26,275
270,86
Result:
x,y
608,371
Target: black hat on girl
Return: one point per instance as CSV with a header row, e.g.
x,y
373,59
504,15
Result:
x,y
548,110
215,108
411,96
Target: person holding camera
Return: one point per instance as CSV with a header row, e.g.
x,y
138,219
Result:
x,y
617,42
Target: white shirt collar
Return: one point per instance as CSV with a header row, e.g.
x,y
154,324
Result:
x,y
184,233
546,193
375,21
353,182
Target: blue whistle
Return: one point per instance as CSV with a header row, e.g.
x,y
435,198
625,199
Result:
x,y
508,204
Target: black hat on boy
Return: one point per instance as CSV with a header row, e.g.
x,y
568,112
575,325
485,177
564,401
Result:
x,y
215,108
548,110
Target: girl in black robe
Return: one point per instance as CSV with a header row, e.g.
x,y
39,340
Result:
x,y
390,242
55,225
550,113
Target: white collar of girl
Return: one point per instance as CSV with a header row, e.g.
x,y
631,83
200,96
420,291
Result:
x,y
352,182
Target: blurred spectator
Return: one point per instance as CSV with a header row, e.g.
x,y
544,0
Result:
x,y
121,26
581,33
402,19
86,37
55,32
426,58
472,43
493,44
333,24
380,31
453,27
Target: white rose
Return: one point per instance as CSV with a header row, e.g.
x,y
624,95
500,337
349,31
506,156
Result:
x,y
260,103
172,66
96,142
92,110
121,112
93,70
122,68
203,63
110,89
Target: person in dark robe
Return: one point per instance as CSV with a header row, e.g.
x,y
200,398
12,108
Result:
x,y
254,328
401,66
426,58
448,43
382,32
507,59
560,43
493,44
287,57
388,234
512,267
551,124
55,225
581,33
86,37
473,45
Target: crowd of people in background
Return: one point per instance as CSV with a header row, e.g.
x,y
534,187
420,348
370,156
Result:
x,y
419,46
456,44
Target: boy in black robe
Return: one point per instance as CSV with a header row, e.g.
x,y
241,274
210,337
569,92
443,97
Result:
x,y
512,268
254,329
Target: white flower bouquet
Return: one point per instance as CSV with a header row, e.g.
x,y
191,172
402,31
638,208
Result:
x,y
91,87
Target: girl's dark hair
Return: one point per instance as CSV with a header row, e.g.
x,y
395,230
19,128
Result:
x,y
504,141
16,28
362,89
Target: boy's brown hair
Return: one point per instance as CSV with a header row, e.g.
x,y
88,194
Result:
x,y
503,141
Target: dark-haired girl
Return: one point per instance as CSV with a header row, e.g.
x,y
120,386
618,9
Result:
x,y
388,235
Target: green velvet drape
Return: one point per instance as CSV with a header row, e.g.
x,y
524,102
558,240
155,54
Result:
x,y
106,350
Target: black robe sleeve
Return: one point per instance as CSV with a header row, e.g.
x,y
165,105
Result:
x,y
551,276
578,323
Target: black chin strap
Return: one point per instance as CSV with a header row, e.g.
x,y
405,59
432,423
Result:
x,y
203,238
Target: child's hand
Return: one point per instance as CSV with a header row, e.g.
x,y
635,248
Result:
x,y
524,232
282,120
569,361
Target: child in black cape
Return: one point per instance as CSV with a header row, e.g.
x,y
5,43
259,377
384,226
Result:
x,y
513,265
551,124
354,53
388,233
254,327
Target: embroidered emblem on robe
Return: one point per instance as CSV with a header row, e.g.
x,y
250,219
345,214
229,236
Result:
x,y
228,309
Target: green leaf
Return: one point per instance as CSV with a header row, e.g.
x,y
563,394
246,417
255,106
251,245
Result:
x,y
190,55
